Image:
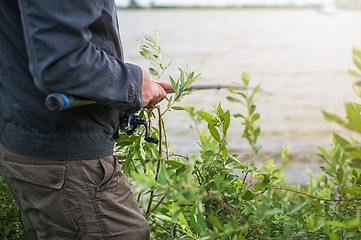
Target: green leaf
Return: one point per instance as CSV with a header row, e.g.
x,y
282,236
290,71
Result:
x,y
271,165
218,181
201,224
334,236
152,72
235,100
298,207
181,76
355,163
255,91
146,53
214,132
340,175
356,90
340,140
288,232
255,117
323,151
190,76
353,117
354,191
334,118
234,159
163,217
275,199
183,221
244,96
358,106
177,108
207,117
248,195
354,73
245,78
358,84
238,115
263,184
144,182
172,82
215,222
252,109
227,122
194,217
357,58
224,152
173,163
257,132
163,175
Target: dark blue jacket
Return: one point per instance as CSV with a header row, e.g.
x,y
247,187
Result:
x,y
65,46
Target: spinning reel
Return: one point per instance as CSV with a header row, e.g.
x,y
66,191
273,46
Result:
x,y
129,125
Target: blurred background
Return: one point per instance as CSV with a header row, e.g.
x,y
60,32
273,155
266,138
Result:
x,y
299,51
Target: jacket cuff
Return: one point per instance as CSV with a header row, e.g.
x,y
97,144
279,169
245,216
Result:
x,y
135,96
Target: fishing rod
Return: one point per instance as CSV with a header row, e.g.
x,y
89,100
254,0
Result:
x,y
207,87
57,102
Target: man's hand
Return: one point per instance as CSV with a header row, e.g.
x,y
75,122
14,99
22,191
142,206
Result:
x,y
153,92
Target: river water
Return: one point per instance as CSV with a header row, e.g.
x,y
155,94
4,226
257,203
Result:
x,y
299,56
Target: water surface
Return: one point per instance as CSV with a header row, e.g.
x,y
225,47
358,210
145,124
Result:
x,y
300,56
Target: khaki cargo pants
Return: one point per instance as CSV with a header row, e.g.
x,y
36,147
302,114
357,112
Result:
x,y
84,199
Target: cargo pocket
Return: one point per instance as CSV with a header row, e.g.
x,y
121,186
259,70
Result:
x,y
39,187
112,173
121,215
51,176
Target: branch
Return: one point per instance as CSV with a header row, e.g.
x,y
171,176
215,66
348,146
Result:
x,y
159,158
318,198
156,206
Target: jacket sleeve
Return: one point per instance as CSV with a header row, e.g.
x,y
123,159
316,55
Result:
x,y
63,59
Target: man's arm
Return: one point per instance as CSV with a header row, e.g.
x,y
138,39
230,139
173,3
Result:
x,y
63,59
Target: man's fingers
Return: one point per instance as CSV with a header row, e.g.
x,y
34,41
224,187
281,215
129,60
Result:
x,y
164,85
158,92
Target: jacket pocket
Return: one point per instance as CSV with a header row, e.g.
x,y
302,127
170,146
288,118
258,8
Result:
x,y
40,190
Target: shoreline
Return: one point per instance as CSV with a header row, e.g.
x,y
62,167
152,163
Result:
x,y
260,7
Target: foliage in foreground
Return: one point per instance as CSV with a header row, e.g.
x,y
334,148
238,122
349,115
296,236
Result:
x,y
215,195
10,224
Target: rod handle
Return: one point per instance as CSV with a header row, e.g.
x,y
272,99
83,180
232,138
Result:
x,y
57,102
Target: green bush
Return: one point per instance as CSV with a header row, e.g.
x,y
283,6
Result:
x,y
213,194
11,227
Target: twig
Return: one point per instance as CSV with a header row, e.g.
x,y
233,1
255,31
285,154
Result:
x,y
160,121
139,196
156,206
165,230
198,173
10,219
159,159
318,198
5,202
178,155
245,177
165,140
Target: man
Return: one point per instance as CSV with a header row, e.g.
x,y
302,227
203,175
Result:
x,y
59,165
